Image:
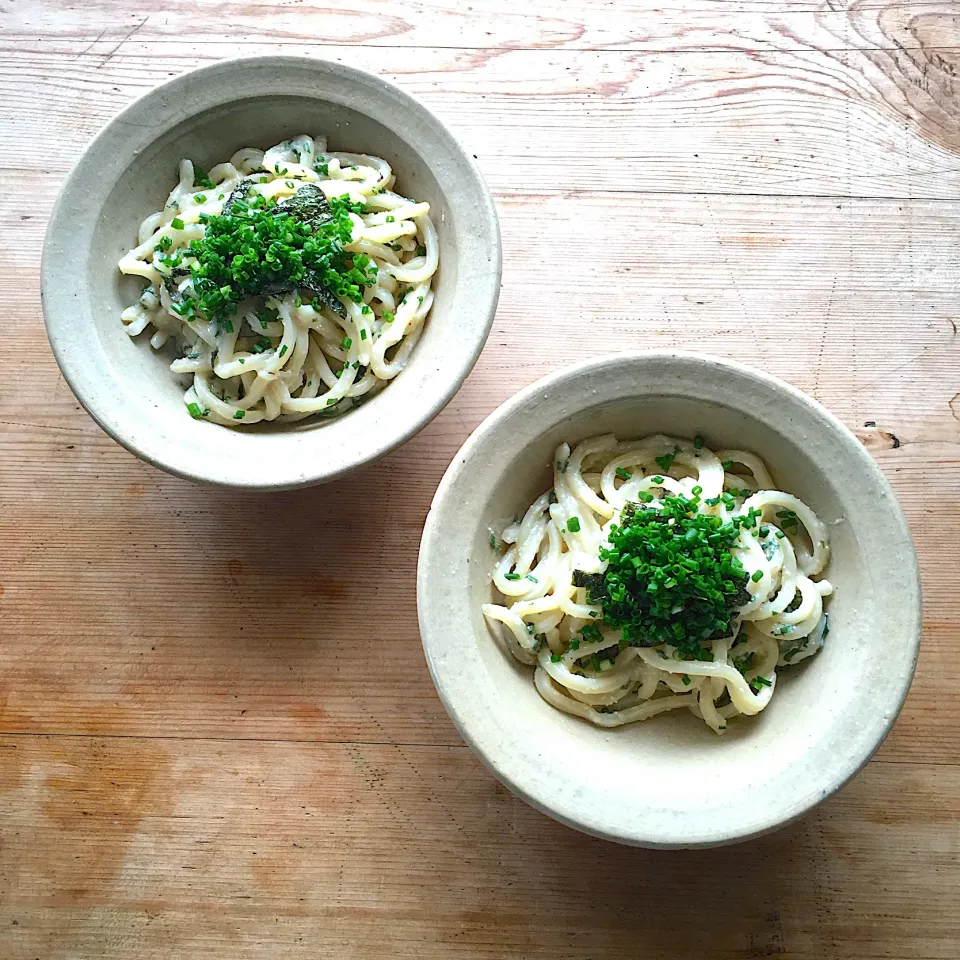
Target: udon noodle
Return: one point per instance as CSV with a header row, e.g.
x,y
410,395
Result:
x,y
550,622
291,354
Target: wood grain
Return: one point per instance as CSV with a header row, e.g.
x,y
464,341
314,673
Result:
x,y
843,123
280,849
103,25
217,732
158,849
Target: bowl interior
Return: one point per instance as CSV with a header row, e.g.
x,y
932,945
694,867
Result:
x,y
670,780
126,175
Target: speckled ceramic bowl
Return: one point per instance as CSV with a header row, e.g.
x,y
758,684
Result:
x,y
670,781
126,174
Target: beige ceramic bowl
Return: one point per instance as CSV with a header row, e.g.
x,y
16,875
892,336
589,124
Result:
x,y
670,781
206,115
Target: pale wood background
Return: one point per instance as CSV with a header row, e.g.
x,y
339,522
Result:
x,y
218,737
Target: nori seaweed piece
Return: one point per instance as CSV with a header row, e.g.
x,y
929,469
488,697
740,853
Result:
x,y
309,205
593,582
239,193
326,296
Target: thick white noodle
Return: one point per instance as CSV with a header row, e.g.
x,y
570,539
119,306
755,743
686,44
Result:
x,y
542,611
306,361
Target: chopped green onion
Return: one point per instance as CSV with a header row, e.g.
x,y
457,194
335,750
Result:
x,y
573,525
201,179
671,576
240,414
623,474
511,576
176,223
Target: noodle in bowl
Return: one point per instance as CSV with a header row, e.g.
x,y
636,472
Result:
x,y
550,622
300,355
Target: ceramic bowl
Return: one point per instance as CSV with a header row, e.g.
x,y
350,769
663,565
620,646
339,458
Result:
x,y
670,781
126,174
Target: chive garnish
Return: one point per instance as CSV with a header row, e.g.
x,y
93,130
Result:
x,y
670,576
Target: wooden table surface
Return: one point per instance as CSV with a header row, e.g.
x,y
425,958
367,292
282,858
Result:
x,y
218,736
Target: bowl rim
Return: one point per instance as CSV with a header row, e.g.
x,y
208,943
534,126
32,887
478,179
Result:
x,y
428,608
57,309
